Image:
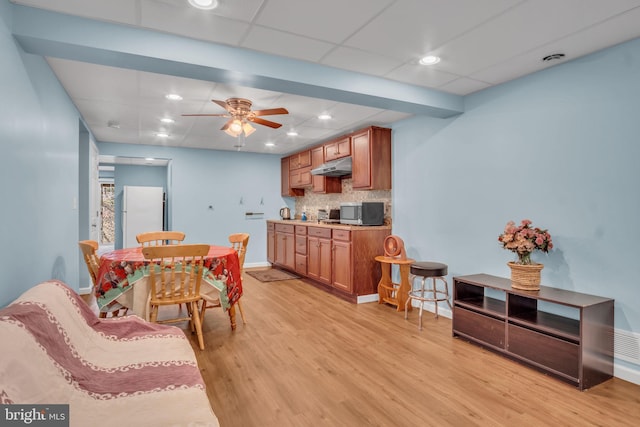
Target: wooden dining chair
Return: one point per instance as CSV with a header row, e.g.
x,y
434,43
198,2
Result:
x,y
239,242
175,275
160,238
89,250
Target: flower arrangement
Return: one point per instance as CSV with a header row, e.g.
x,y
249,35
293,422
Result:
x,y
525,239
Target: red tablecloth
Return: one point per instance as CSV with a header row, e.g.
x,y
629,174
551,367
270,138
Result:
x,y
121,268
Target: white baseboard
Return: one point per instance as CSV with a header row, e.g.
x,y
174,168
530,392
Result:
x,y
363,299
626,373
257,264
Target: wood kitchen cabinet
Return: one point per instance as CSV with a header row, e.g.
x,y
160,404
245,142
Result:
x,y
285,246
339,258
371,156
337,149
285,189
319,250
300,160
323,184
301,249
341,264
300,178
562,333
271,242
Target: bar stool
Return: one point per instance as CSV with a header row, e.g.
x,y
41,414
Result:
x,y
436,271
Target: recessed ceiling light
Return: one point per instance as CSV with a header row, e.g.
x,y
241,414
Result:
x,y
324,116
292,133
162,135
269,144
167,120
429,60
173,97
204,4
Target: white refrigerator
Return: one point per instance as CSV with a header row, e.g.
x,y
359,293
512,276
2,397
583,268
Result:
x,y
142,211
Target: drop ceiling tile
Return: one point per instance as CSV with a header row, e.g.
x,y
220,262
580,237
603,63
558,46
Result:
x,y
191,22
594,38
412,28
421,75
285,44
89,81
328,20
463,86
360,61
244,10
522,28
122,11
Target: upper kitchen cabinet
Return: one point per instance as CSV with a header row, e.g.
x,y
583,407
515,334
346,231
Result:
x,y
337,149
300,170
300,160
371,156
286,189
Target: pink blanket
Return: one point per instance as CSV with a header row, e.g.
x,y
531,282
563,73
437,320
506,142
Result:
x,y
121,371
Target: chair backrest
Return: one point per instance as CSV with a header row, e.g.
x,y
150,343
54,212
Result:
x,y
89,250
175,272
160,238
239,242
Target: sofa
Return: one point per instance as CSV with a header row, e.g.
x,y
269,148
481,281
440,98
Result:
x,y
117,371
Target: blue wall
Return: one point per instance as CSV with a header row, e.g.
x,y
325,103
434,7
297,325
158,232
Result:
x,y
231,182
38,171
559,147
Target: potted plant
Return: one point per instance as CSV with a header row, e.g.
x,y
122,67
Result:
x,y
523,240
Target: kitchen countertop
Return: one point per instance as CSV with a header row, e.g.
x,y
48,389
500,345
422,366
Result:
x,y
323,225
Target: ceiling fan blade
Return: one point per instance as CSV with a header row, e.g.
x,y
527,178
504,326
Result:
x,y
223,104
264,122
206,115
270,112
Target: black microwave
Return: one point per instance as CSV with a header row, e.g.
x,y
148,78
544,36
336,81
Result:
x,y
362,213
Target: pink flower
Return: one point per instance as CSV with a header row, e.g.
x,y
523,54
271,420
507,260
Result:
x,y
525,239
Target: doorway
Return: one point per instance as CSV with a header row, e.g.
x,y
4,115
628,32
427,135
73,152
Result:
x,y
108,213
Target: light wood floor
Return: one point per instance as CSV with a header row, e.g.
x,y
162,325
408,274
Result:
x,y
307,358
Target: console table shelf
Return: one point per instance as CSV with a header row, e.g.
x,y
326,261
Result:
x,y
570,338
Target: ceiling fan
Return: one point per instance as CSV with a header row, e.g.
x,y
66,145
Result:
x,y
240,114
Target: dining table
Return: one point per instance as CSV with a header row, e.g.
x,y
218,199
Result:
x,y
123,278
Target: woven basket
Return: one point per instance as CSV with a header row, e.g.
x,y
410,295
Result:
x,y
525,277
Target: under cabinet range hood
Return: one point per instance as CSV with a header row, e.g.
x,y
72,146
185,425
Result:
x,y
339,167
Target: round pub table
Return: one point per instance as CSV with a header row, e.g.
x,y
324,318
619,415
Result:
x,y
388,291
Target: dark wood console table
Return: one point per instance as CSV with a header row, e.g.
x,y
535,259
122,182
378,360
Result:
x,y
566,334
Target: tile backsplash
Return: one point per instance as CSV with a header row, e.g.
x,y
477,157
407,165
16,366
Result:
x,y
311,202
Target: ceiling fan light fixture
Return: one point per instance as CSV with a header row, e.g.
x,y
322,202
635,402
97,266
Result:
x,y
204,4
247,129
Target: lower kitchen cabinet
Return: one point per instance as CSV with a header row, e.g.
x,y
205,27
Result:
x,y
339,258
301,249
271,242
341,266
319,259
562,333
285,246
